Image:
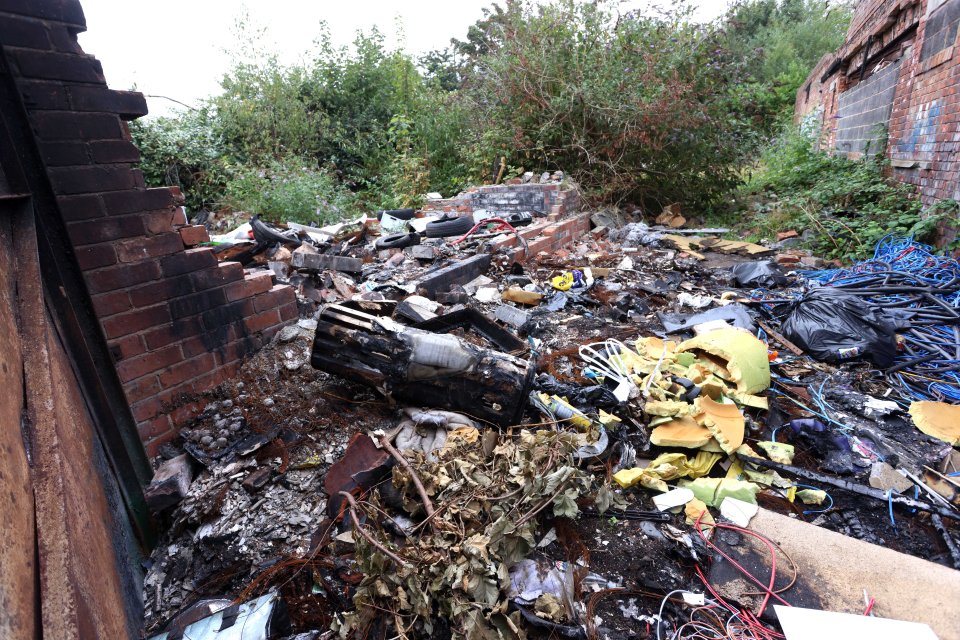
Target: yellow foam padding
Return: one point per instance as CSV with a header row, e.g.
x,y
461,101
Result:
x,y
724,421
682,431
742,355
937,419
667,408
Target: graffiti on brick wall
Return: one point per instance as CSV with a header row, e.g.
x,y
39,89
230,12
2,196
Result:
x,y
921,136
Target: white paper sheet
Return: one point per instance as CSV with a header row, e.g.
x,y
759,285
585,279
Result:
x,y
813,624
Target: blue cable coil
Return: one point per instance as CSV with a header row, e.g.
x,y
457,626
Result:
x,y
909,275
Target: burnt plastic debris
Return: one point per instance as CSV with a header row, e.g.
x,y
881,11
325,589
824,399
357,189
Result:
x,y
834,326
763,273
734,314
594,396
636,234
832,448
431,369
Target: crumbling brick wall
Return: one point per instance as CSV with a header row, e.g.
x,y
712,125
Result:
x,y
917,40
925,124
511,198
177,321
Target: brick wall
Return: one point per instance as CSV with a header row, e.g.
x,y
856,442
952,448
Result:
x,y
548,235
177,321
924,122
511,198
863,112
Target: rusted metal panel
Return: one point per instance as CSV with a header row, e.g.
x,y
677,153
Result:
x,y
18,589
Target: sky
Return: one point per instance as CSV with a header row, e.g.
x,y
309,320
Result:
x,y
179,48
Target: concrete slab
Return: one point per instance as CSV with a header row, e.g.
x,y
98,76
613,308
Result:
x,y
834,570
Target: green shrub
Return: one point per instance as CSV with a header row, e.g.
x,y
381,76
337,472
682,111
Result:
x,y
183,151
849,204
780,41
636,107
640,108
291,191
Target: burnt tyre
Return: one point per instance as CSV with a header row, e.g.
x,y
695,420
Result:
x,y
397,241
444,228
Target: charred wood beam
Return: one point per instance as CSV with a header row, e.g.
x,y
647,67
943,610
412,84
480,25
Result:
x,y
476,321
846,485
315,262
421,367
460,272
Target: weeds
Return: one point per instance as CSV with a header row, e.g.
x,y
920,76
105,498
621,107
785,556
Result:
x,y
294,191
849,205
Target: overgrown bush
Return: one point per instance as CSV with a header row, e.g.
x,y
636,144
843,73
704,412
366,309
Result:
x,y
780,41
290,191
642,108
183,151
849,204
646,108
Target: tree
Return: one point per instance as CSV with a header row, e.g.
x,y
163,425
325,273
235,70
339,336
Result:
x,y
639,108
780,41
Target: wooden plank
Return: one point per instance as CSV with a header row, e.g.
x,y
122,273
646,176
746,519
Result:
x,y
460,272
683,244
18,584
757,250
779,338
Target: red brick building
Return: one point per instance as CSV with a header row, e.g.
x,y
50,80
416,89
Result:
x,y
894,83
176,321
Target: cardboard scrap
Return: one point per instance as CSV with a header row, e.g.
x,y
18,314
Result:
x,y
671,216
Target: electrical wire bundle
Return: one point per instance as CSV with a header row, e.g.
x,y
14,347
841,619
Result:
x,y
904,274
716,619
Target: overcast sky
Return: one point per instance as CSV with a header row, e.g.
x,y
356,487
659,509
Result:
x,y
178,48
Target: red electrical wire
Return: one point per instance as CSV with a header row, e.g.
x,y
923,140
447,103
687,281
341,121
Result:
x,y
501,223
869,608
773,562
751,621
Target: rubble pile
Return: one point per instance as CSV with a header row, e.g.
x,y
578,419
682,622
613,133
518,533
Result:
x,y
463,438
